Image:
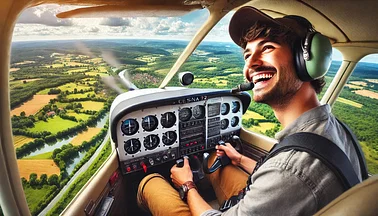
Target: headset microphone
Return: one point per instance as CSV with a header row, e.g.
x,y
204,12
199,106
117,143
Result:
x,y
243,87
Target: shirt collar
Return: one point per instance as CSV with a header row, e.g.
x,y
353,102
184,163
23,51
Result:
x,y
308,117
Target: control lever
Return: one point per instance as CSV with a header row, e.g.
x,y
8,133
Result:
x,y
221,160
195,166
218,163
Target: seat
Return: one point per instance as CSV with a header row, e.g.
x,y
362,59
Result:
x,y
362,199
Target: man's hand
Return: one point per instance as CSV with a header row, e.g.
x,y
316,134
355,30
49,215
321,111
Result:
x,y
231,152
180,175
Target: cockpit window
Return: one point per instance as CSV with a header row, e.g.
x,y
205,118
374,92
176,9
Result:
x,y
63,78
357,106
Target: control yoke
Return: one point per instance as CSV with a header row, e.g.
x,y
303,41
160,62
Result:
x,y
221,160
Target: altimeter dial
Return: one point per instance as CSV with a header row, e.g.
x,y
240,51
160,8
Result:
x,y
132,146
151,142
149,123
169,137
129,126
168,119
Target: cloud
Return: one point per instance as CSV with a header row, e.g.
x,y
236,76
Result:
x,y
115,21
43,16
94,29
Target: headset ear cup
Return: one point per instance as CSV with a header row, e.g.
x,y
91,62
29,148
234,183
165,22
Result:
x,y
313,56
320,56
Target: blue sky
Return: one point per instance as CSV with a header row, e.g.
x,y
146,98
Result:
x,y
40,23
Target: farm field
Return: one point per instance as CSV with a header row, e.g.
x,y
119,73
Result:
x,y
262,127
250,114
92,105
349,102
367,93
32,106
34,196
37,166
19,141
85,136
79,95
53,125
47,155
79,116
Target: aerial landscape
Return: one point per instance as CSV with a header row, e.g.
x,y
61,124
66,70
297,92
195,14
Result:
x,y
60,103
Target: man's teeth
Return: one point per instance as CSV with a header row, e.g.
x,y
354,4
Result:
x,y
261,76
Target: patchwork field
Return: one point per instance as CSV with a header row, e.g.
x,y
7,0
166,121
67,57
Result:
x,y
85,136
79,116
53,125
32,106
19,141
263,126
92,105
250,114
26,167
349,102
367,93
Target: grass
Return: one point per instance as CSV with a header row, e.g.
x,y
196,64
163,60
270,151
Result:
x,y
162,71
72,86
210,68
53,125
250,114
35,197
85,136
92,105
47,155
32,106
76,70
19,141
102,70
79,116
371,158
93,73
349,102
84,95
38,166
218,80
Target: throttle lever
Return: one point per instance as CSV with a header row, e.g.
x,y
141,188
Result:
x,y
218,163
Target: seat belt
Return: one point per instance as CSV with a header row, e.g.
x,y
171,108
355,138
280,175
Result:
x,y
359,152
323,149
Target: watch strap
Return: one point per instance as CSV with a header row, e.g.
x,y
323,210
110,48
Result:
x,y
190,185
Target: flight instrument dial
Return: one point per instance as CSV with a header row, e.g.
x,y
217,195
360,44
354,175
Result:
x,y
149,123
151,142
185,114
169,137
199,112
235,106
129,126
132,146
168,119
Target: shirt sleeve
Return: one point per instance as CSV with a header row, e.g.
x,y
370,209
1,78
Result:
x,y
276,190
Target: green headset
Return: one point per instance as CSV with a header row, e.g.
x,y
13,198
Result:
x,y
313,54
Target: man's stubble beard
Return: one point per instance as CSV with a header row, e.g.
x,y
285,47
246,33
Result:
x,y
283,91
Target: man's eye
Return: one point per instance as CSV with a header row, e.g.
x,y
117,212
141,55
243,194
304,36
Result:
x,y
246,56
267,47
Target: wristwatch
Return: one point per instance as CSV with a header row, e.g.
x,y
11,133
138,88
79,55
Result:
x,y
184,189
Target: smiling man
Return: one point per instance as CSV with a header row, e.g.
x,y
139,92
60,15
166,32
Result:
x,y
292,182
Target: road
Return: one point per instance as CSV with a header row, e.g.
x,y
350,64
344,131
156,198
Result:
x,y
81,170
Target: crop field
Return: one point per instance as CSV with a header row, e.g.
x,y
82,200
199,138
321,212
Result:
x,y
85,136
79,116
32,106
92,105
210,68
102,70
367,93
372,80
19,141
162,71
76,70
47,155
250,114
349,102
360,83
263,126
94,73
354,86
53,125
26,167
72,86
371,158
13,69
79,95
219,81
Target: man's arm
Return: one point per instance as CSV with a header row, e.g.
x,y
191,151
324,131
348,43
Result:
x,y
237,159
197,204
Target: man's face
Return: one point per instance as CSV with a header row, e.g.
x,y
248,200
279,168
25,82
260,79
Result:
x,y
269,65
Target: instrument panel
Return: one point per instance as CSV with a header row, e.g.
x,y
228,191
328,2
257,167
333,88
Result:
x,y
153,127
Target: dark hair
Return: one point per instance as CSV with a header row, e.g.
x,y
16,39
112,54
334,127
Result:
x,y
281,34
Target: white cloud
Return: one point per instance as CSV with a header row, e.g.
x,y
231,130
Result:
x,y
115,21
44,16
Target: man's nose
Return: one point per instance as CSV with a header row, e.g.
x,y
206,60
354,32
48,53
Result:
x,y
253,62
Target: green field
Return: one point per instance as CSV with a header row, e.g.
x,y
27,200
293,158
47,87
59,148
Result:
x,y
72,86
349,102
250,114
263,126
92,105
371,157
46,155
53,125
79,116
84,95
35,197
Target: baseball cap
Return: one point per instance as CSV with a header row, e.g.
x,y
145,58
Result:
x,y
247,16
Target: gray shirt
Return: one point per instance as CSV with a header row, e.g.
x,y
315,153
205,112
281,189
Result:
x,y
294,182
